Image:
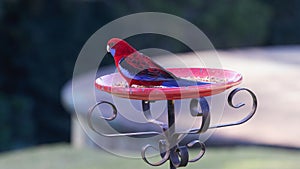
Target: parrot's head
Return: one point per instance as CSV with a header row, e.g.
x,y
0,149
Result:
x,y
118,48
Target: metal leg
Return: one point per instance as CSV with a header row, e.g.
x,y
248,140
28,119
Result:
x,y
169,149
179,155
171,130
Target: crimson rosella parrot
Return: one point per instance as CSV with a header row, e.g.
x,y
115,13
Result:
x,y
138,69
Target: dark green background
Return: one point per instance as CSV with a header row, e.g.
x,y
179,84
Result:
x,y
41,39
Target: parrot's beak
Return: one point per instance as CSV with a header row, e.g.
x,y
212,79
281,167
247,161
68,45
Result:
x,y
107,48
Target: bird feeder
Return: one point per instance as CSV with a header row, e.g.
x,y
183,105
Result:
x,y
168,146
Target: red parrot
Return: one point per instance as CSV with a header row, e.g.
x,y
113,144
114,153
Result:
x,y
139,69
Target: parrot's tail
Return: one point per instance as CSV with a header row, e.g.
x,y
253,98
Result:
x,y
182,83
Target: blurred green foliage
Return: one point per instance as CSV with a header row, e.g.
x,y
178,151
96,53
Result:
x,y
40,41
236,23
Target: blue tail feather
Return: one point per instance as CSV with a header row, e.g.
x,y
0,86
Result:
x,y
182,83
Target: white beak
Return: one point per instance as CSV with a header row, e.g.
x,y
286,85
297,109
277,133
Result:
x,y
108,48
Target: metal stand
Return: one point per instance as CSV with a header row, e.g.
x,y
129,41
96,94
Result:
x,y
169,147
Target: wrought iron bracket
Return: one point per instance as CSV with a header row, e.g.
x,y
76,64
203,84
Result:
x,y
168,147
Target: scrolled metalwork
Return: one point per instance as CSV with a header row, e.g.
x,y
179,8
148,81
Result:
x,y
205,114
168,147
179,156
239,105
163,150
201,153
114,113
112,117
148,115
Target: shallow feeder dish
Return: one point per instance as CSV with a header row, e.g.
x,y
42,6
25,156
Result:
x,y
225,79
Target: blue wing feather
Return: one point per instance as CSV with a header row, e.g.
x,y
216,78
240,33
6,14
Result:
x,y
140,67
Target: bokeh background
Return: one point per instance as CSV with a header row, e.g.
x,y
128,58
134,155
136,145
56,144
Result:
x,y
41,39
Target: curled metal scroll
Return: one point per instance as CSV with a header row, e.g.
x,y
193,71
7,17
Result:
x,y
230,102
164,153
202,151
112,117
178,155
148,115
205,114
